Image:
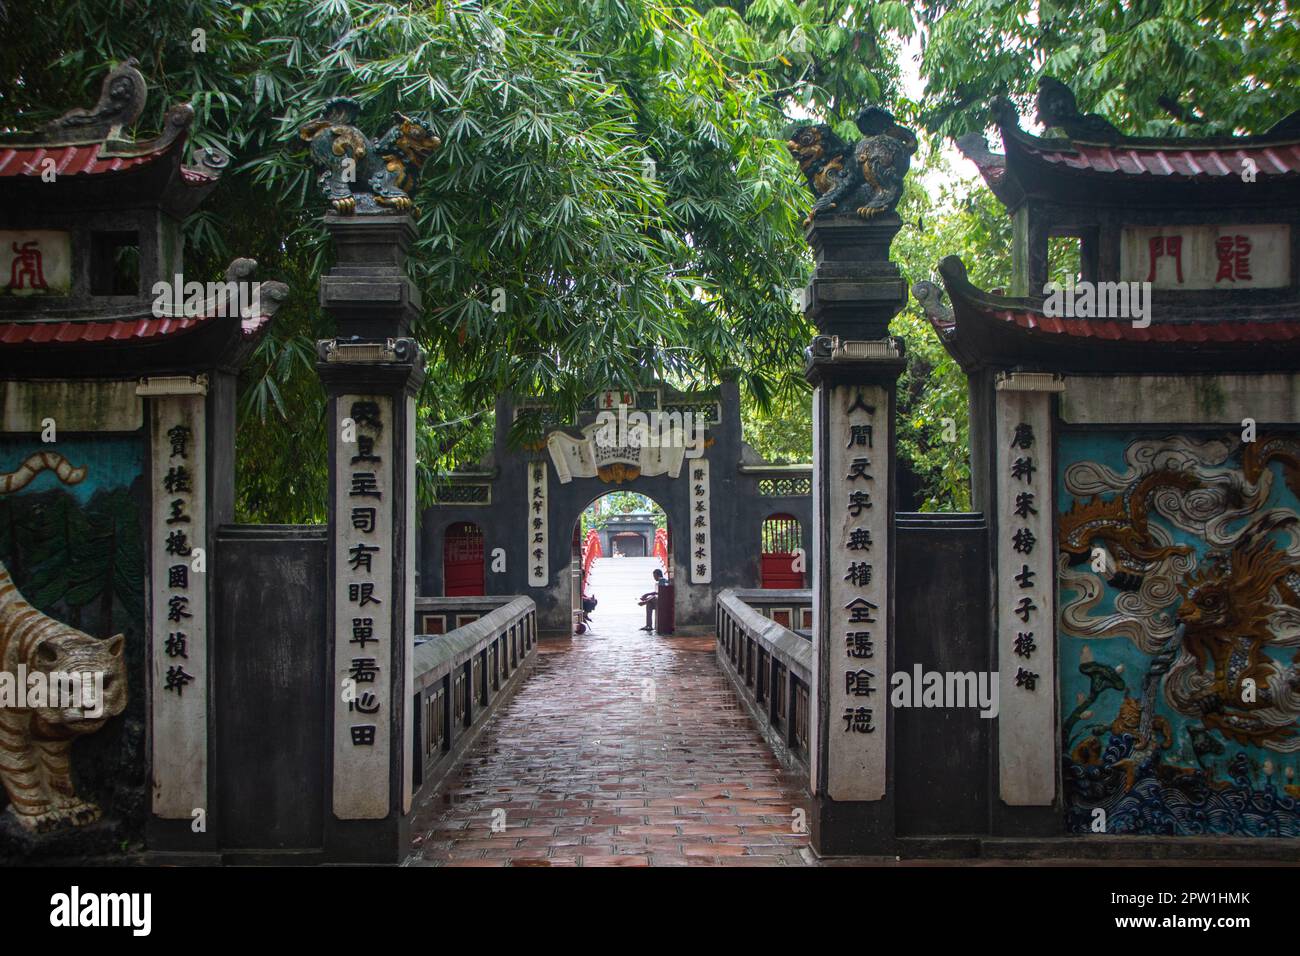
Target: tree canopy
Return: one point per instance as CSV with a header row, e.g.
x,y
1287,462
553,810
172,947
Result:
x,y
613,175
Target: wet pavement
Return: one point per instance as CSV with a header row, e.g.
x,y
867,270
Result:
x,y
622,748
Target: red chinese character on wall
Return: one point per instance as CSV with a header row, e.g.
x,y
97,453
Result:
x,y
26,267
1171,246
1234,258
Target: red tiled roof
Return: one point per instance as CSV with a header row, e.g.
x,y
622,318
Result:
x,y
70,160
1021,322
120,330
1209,333
1168,159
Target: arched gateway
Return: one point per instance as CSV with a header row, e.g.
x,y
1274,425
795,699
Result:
x,y
714,488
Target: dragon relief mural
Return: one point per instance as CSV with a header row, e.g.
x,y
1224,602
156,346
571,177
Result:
x,y
1179,571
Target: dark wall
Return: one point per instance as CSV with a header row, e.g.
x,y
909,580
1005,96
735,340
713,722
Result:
x,y
272,707
941,756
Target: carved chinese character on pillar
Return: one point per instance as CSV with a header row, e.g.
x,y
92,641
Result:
x,y
537,526
179,605
857,581
363,596
1026,617
701,523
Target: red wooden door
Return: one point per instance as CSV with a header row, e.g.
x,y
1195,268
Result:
x,y
781,538
462,560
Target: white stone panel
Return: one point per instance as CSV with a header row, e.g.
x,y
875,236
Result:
x,y
537,526
1211,257
364,593
856,605
35,262
701,522
1026,618
1180,399
178,605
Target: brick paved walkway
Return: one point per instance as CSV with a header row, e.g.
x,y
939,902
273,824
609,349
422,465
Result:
x,y
620,749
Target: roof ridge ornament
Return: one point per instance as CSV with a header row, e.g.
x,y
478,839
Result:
x,y
121,102
930,297
1057,107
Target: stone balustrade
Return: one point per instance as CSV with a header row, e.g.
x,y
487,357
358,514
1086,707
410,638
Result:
x,y
770,666
462,676
442,615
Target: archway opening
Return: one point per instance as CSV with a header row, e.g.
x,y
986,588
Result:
x,y
620,540
462,560
782,564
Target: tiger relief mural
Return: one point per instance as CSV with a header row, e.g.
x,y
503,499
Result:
x,y
1179,571
71,603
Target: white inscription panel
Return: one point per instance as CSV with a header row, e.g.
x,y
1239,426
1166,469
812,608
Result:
x,y
35,262
539,559
857,526
701,523
363,601
408,625
1026,620
179,616
1207,257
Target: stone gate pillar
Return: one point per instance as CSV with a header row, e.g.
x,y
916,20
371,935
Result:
x,y
1024,475
854,367
371,373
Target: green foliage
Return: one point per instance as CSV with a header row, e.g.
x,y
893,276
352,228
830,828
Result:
x,y
85,561
933,416
1152,67
615,168
617,503
825,59
1064,260
600,165
783,432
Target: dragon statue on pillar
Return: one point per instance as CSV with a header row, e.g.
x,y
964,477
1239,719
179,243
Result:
x,y
865,178
364,176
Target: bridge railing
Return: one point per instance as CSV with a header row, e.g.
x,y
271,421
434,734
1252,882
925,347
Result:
x,y
442,615
790,608
771,668
661,547
461,677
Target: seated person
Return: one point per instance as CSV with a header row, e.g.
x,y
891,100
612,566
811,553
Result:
x,y
588,605
650,601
